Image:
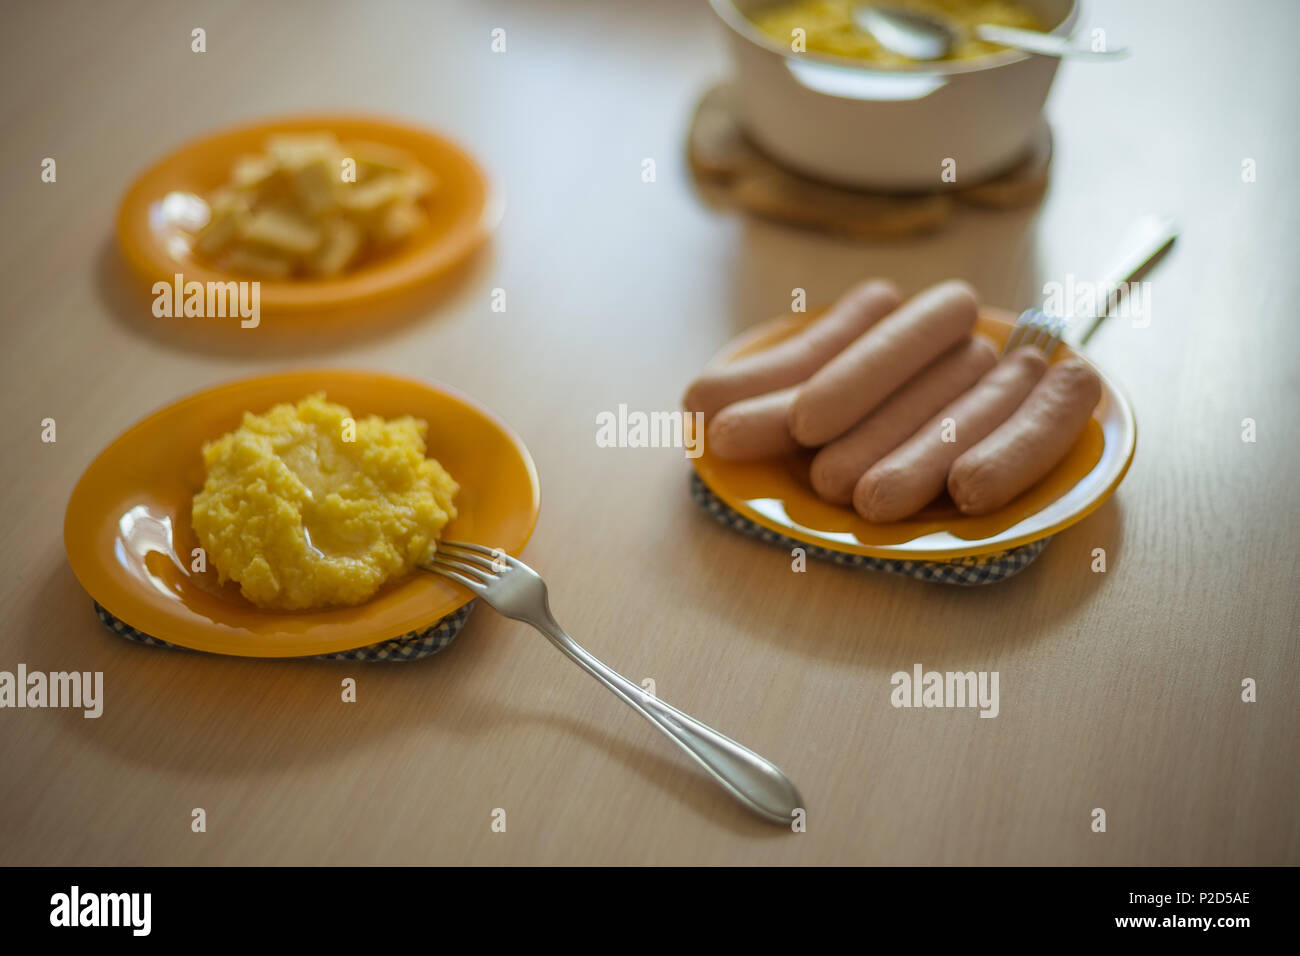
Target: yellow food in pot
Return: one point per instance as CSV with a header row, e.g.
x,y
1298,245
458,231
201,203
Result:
x,y
828,26
306,507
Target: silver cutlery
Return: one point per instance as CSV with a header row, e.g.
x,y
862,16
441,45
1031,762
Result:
x,y
515,590
920,36
1145,243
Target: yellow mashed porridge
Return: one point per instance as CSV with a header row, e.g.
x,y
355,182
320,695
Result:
x,y
829,28
302,517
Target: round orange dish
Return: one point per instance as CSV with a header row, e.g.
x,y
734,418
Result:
x,y
778,495
128,536
461,210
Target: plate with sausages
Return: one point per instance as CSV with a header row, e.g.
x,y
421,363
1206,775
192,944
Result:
x,y
897,428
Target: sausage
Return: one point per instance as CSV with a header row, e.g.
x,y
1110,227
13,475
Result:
x,y
914,473
881,359
1030,443
793,360
839,465
754,428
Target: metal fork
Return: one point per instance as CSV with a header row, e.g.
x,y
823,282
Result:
x,y
1146,241
515,590
1035,329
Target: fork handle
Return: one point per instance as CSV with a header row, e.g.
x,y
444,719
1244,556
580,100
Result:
x,y
755,781
1145,243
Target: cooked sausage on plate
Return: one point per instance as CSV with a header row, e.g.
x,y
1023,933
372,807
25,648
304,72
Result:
x,y
916,472
793,360
882,358
753,428
1030,443
839,465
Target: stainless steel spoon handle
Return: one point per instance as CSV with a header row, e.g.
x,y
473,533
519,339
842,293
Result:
x,y
753,780
1048,44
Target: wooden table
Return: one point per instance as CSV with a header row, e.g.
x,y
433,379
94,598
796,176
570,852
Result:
x,y
1119,690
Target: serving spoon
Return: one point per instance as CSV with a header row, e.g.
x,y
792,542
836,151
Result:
x,y
919,36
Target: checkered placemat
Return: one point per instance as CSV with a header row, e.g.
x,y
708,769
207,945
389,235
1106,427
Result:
x,y
408,647
985,569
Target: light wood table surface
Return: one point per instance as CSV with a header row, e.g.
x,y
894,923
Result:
x,y
1118,690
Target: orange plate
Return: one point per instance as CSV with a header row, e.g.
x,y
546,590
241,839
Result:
x,y
461,212
128,536
777,495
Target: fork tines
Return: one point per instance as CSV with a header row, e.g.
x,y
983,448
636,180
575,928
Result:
x,y
1036,329
472,565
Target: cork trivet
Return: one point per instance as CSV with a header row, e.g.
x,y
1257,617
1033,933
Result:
x,y
722,157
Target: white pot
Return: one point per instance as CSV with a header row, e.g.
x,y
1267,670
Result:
x,y
890,129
